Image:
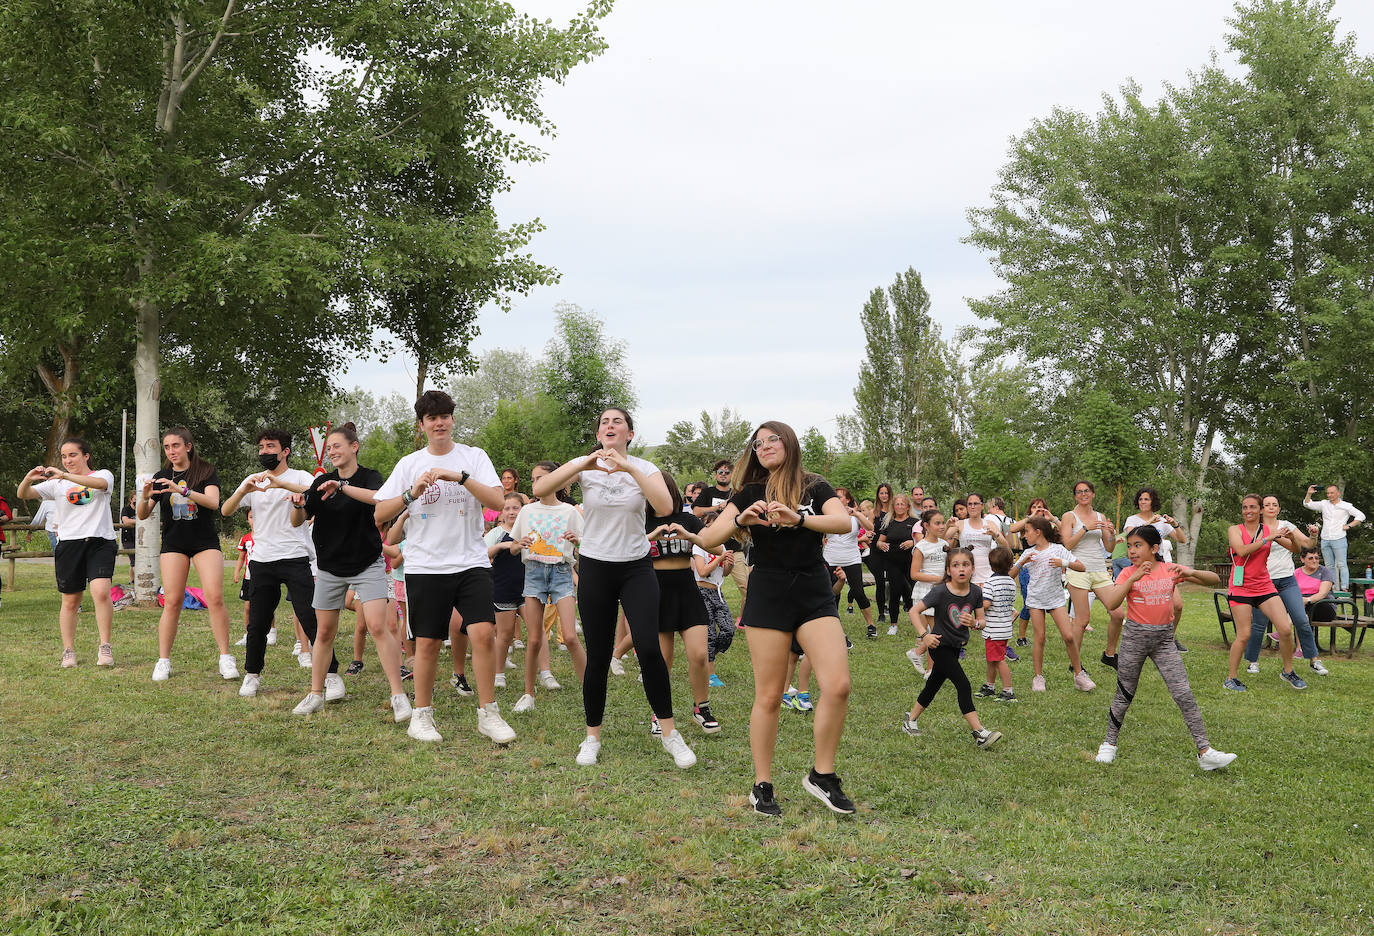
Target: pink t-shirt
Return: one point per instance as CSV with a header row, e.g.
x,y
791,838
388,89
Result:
x,y
1151,600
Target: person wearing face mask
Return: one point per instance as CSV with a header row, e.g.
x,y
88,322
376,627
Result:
x,y
281,552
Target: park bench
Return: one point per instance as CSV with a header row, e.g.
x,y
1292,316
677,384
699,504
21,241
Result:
x,y
1348,617
13,553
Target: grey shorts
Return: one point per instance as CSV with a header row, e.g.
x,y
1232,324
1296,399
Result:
x,y
368,585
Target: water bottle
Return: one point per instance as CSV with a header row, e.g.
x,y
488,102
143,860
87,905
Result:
x,y
1368,572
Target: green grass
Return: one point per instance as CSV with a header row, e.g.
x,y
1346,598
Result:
x,y
129,807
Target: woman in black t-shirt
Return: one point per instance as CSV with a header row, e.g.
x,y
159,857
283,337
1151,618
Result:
x,y
787,512
896,542
877,557
187,488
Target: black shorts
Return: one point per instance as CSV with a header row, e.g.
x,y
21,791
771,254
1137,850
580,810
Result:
x,y
80,561
1253,601
433,597
680,605
785,599
189,549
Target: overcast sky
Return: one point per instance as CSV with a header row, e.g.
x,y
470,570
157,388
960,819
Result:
x,y
731,179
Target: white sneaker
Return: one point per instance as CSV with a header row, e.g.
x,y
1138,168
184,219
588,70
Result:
x,y
250,686
1106,753
242,641
517,644
400,707
334,687
675,745
296,650
162,669
305,660
422,725
510,664
1252,669
524,703
272,637
491,724
1318,668
309,705
916,660
546,679
227,667
587,751
1212,759
500,681
892,631
617,668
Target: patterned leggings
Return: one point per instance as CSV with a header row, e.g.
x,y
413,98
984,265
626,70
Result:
x,y
720,627
1140,642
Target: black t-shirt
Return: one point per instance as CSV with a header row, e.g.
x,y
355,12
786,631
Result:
x,y
186,526
507,574
710,497
126,534
897,533
672,547
787,547
345,531
948,607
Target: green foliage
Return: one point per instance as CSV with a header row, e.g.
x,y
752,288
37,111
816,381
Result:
x,y
690,449
500,375
815,452
526,431
583,372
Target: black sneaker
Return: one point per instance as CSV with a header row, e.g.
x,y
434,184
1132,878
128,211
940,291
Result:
x,y
1178,645
986,738
1006,696
826,788
850,610
761,798
1109,659
848,644
459,681
701,714
354,668
406,673
986,691
872,632
1022,642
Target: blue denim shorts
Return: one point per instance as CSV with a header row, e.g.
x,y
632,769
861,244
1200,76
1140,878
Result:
x,y
548,582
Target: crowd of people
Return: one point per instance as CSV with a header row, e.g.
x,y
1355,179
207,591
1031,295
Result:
x,y
446,553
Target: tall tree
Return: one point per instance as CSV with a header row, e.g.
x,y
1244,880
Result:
x,y
690,449
584,371
501,374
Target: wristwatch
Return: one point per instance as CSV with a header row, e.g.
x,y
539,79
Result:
x,y
463,478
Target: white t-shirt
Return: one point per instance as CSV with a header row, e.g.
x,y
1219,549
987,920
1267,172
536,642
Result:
x,y
613,522
1166,545
932,563
1045,591
548,524
1280,559
444,532
274,538
46,516
843,549
717,575
82,512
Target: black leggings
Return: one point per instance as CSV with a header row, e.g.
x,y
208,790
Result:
x,y
854,575
601,588
898,581
944,665
267,580
876,560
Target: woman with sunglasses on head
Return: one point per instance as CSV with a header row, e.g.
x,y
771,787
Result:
x,y
187,487
1250,587
1090,536
1283,574
618,489
787,512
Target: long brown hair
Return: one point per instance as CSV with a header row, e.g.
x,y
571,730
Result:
x,y
197,469
786,484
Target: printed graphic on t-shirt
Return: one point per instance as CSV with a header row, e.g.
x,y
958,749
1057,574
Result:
x,y
955,610
447,492
79,496
183,508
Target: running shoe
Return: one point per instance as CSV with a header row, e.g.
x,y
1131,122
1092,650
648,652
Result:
x,y
803,702
517,644
1022,642
587,751
1006,695
1253,669
296,650
510,664
715,682
1012,655
421,726
1083,682
250,686
761,798
986,691
1212,759
1318,668
400,707
68,658
162,670
524,704
334,687
1109,659
105,655
701,714
499,680
788,698
1293,679
892,630
1235,685
963,652
826,788
272,637
242,641
491,724
406,672
918,661
1038,683
1178,645
618,668
850,610
548,682
872,632
309,705
848,644
909,726
1106,753
986,737
676,745
306,660
354,668
655,728
228,668
459,683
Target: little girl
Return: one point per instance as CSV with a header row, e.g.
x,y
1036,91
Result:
x,y
1147,588
927,571
957,605
1046,559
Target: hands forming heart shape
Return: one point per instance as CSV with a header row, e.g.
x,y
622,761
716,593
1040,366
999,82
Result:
x,y
601,457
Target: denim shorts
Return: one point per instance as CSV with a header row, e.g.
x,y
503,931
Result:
x,y
548,582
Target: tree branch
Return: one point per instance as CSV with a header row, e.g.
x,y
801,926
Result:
x,y
214,45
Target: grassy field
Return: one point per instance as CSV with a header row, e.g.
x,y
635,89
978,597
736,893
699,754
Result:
x,y
130,807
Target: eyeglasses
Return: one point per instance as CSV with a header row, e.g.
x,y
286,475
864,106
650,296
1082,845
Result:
x,y
766,440
975,503
1083,491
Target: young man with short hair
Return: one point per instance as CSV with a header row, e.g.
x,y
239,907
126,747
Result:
x,y
444,488
706,502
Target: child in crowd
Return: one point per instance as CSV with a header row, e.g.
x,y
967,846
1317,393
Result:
x,y
999,595
1047,558
710,573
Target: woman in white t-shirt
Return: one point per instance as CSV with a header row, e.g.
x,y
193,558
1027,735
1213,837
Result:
x,y
615,570
85,555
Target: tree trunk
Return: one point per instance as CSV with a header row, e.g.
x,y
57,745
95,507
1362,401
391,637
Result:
x,y
147,448
1190,514
61,389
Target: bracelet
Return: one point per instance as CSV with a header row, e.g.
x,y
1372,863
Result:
x,y
735,521
407,498
801,521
